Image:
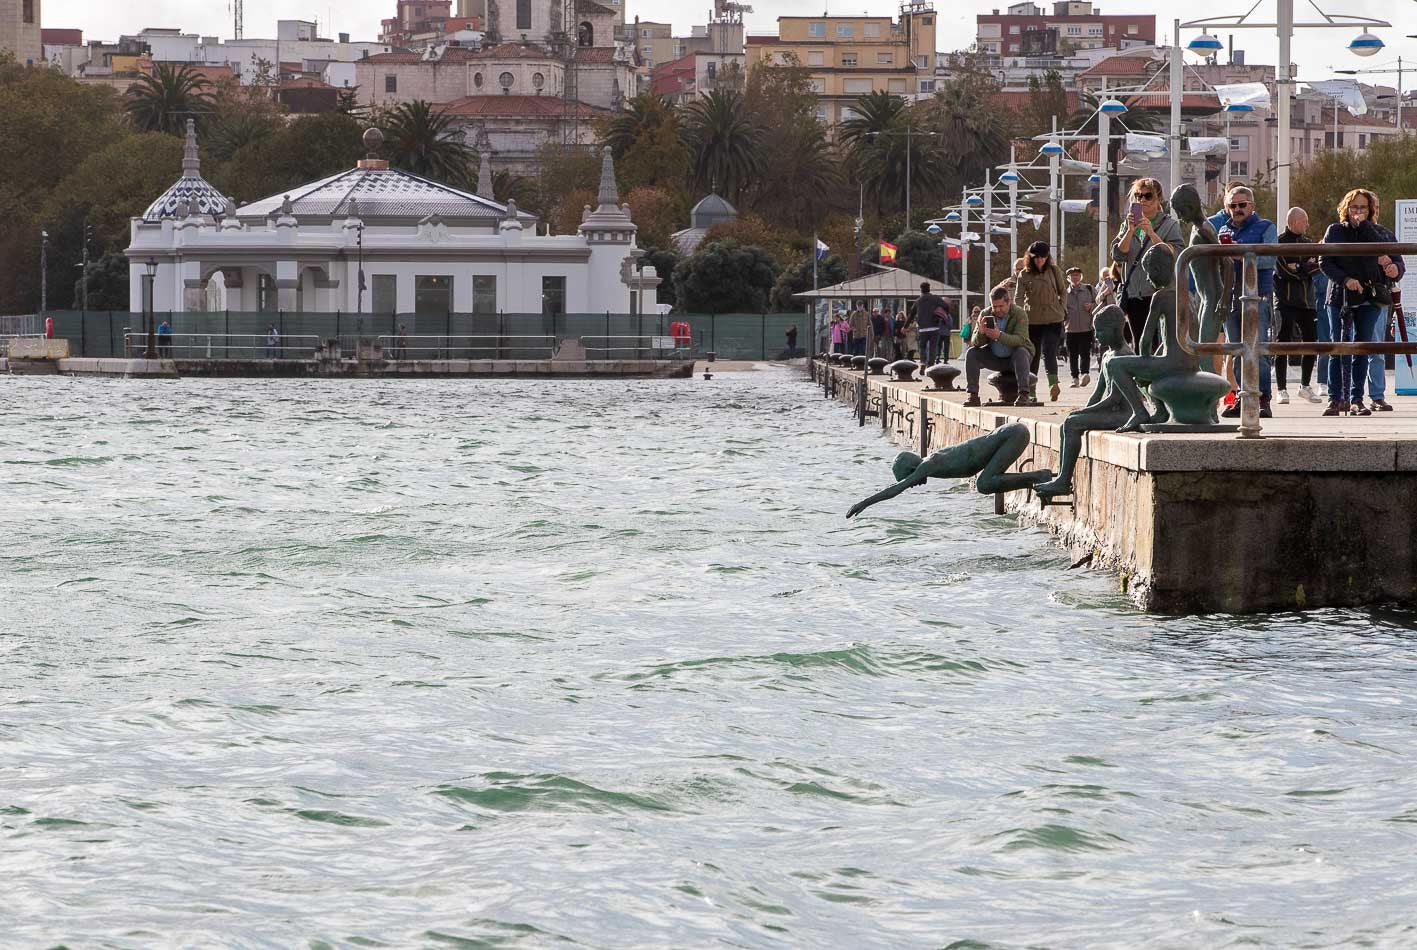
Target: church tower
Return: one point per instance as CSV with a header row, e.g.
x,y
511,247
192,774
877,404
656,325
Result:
x,y
19,31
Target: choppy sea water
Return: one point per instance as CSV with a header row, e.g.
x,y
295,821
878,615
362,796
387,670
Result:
x,y
505,663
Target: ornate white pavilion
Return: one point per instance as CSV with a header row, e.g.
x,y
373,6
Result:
x,y
420,246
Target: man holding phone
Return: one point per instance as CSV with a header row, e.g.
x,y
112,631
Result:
x,y
1000,341
1247,227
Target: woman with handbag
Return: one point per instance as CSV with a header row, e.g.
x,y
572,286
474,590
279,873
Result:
x,y
1043,292
1359,287
1147,223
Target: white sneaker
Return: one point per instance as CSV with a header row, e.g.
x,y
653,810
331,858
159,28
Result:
x,y
1283,399
1308,394
1323,391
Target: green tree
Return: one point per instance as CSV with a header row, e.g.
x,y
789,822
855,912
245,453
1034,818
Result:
x,y
421,140
569,177
1047,100
657,212
310,148
507,186
973,127
656,158
920,254
641,115
798,279
107,284
887,142
725,277
725,145
347,101
664,260
165,100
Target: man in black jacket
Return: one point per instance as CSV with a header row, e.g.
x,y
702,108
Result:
x,y
933,323
1294,292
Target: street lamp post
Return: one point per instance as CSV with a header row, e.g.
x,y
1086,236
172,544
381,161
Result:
x,y
1366,44
148,306
909,134
1398,70
43,272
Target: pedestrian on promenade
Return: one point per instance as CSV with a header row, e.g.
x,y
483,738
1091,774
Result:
x,y
1294,294
1106,288
1148,223
1042,292
858,327
1245,226
1081,301
999,340
792,341
164,339
839,333
932,324
880,332
401,343
910,337
1382,333
272,341
1358,288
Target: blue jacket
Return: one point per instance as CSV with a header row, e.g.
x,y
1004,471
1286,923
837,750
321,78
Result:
x,y
1256,230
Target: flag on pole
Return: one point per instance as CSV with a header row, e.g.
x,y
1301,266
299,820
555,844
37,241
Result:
x,y
822,249
887,252
952,252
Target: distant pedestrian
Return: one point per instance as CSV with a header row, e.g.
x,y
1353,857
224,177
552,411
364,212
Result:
x,y
1358,289
1147,224
880,332
272,341
164,340
792,341
859,325
1042,292
1107,280
1294,293
401,343
1081,300
932,323
839,334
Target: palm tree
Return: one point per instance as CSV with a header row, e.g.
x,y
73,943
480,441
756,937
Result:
x,y
725,145
800,176
642,114
164,101
1136,118
522,190
886,143
974,136
422,141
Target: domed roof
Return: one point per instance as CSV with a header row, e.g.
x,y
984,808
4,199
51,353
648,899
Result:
x,y
711,210
191,187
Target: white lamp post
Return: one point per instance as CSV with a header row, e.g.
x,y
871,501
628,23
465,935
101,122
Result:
x,y
1365,44
1054,150
1106,109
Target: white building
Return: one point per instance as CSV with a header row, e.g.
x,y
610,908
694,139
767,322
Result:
x,y
420,246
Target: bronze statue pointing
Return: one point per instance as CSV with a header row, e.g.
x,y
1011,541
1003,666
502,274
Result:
x,y
988,456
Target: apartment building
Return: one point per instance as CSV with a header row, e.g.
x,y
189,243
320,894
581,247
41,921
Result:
x,y
852,56
1028,29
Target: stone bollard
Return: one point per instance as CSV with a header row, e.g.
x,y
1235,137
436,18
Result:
x,y
876,366
942,377
858,362
903,371
1007,386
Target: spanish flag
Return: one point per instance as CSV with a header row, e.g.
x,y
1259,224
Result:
x,y
887,252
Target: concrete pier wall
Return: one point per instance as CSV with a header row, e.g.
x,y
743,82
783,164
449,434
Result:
x,y
1197,523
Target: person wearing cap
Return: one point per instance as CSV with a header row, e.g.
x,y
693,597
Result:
x,y
1080,302
1042,293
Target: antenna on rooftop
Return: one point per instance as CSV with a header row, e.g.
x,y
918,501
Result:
x,y
239,16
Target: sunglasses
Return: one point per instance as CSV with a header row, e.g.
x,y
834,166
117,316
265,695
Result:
x,y
1239,204
1145,195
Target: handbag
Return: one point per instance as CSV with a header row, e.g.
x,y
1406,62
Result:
x,y
1380,293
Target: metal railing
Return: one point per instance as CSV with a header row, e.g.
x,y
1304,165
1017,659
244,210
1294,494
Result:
x,y
1250,349
633,348
480,347
206,346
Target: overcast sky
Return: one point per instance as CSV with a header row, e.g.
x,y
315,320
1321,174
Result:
x,y
1317,52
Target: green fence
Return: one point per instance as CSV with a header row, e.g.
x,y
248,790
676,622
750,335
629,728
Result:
x,y
729,336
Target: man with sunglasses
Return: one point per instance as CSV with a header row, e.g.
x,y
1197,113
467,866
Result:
x,y
1245,226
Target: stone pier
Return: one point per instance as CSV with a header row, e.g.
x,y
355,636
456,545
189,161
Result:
x,y
1321,512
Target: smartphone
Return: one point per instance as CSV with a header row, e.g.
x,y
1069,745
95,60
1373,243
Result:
x,y
1226,238
1134,214
989,323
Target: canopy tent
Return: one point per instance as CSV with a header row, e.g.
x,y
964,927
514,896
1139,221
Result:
x,y
884,284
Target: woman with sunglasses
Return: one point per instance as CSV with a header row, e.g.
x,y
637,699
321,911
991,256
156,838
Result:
x,y
1358,288
1043,292
1147,224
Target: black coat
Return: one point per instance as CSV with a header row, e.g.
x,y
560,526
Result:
x,y
1366,270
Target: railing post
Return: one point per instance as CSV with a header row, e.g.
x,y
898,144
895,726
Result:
x,y
1250,358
